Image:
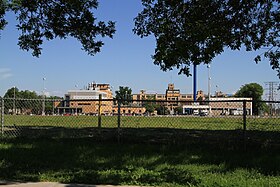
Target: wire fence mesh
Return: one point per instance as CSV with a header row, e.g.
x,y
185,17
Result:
x,y
143,120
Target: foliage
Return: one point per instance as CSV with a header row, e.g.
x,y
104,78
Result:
x,y
27,100
124,94
49,104
162,110
136,164
178,110
194,32
150,106
2,14
254,91
41,20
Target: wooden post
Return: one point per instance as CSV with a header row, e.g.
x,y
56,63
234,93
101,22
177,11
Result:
x,y
99,112
244,124
119,120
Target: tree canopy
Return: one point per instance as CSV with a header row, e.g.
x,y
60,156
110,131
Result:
x,y
195,31
254,91
40,20
124,94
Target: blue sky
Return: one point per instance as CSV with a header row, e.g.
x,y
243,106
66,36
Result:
x,y
123,61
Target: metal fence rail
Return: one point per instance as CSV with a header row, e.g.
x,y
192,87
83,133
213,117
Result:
x,y
143,120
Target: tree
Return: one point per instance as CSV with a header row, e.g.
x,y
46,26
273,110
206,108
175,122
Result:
x,y
12,92
124,95
149,104
41,20
178,110
2,14
28,101
21,100
194,32
49,103
162,110
254,91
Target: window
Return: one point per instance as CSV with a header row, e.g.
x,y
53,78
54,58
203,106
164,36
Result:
x,y
83,104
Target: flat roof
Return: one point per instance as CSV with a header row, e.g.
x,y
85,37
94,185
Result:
x,y
196,106
230,98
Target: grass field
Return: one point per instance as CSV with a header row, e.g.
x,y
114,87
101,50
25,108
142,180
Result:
x,y
207,151
178,122
85,161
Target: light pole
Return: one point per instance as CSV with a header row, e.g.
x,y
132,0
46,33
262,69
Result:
x,y
209,88
217,92
44,98
14,103
76,86
209,82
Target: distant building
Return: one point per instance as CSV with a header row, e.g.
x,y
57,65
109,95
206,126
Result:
x,y
86,101
220,106
230,106
173,97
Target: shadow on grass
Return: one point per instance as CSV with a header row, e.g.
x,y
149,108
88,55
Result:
x,y
143,156
228,138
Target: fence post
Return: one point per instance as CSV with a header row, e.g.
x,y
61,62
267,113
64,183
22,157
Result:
x,y
119,120
2,116
244,124
99,113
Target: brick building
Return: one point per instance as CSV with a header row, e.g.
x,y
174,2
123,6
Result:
x,y
173,97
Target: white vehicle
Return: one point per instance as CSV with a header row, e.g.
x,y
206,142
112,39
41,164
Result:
x,y
203,112
195,112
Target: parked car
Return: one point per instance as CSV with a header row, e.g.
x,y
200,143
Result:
x,y
203,113
195,112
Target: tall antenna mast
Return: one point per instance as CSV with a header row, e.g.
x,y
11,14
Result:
x,y
272,86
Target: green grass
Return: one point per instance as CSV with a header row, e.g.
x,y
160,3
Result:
x,y
187,122
85,161
153,151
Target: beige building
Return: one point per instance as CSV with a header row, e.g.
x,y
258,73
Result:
x,y
230,106
172,98
87,101
220,106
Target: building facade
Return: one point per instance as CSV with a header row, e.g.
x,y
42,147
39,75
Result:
x,y
96,99
172,98
86,101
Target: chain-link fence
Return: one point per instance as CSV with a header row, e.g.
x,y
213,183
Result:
x,y
221,120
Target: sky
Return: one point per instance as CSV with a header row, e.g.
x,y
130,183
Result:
x,y
124,60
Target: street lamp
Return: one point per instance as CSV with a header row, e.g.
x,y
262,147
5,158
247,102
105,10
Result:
x,y
14,103
209,82
44,98
76,86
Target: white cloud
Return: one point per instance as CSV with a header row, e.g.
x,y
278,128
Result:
x,y
5,73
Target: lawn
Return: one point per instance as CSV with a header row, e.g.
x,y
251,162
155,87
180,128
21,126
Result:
x,y
86,161
177,122
152,151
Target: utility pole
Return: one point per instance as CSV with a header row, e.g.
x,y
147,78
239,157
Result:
x,y
209,82
44,98
194,81
272,86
